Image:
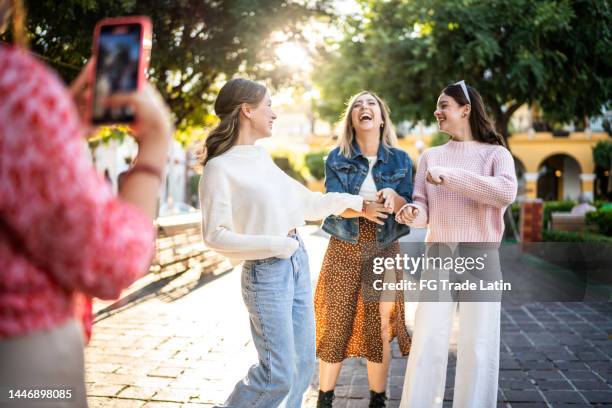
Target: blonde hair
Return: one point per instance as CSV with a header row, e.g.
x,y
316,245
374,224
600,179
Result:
x,y
387,133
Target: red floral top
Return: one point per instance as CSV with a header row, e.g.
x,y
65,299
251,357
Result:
x,y
79,237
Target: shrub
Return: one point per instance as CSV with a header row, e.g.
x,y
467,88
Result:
x,y
600,203
556,206
603,220
315,163
438,139
549,207
565,236
192,190
515,210
285,164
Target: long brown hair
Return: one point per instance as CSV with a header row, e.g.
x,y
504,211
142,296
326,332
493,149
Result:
x,y
232,95
17,23
387,134
482,126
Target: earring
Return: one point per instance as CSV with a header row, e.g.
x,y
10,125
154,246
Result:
x,y
464,115
382,125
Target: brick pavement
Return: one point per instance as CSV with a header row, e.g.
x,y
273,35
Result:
x,y
185,341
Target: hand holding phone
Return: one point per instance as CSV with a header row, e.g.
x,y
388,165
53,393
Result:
x,y
153,123
121,50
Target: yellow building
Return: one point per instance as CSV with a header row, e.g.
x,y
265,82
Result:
x,y
556,167
548,167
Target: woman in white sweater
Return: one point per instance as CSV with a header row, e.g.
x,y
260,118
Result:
x,y
250,212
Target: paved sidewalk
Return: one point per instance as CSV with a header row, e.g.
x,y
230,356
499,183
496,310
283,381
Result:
x,y
185,341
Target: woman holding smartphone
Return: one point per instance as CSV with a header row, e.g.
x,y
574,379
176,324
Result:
x,y
63,233
351,323
250,212
461,191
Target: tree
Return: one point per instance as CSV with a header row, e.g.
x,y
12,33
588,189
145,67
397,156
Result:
x,y
555,53
602,154
602,157
196,43
438,139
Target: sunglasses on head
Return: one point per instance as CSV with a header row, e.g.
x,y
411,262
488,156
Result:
x,y
464,89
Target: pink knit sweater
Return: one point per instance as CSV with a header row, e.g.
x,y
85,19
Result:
x,y
479,183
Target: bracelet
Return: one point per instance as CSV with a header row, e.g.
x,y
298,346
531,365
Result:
x,y
363,207
145,168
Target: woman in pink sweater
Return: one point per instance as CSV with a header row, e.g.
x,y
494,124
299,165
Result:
x,y
460,194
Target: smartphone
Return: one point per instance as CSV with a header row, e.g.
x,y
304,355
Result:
x,y
122,50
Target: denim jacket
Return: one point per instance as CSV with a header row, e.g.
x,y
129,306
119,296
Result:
x,y
393,168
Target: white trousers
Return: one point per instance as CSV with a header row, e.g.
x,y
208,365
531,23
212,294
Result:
x,y
477,355
45,359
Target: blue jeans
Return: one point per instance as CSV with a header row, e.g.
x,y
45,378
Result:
x,y
278,297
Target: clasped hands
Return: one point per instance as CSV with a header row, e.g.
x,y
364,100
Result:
x,y
408,213
387,201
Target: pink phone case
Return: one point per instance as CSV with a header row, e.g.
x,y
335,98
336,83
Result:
x,y
146,44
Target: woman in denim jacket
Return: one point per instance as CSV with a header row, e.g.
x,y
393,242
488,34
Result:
x,y
351,323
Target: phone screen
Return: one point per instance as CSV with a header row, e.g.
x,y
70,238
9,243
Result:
x,y
119,53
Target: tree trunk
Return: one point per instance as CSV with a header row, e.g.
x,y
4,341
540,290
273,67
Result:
x,y
502,119
501,125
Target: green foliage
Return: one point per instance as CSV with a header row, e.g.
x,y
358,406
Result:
x,y
196,44
193,185
315,162
107,133
556,53
549,207
600,203
556,206
515,210
565,236
603,220
438,139
286,165
602,154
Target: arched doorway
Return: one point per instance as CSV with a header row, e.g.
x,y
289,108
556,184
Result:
x,y
559,178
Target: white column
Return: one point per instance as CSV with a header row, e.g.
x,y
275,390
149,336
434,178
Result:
x,y
587,182
531,184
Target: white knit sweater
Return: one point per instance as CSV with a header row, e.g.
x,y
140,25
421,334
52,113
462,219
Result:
x,y
249,205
